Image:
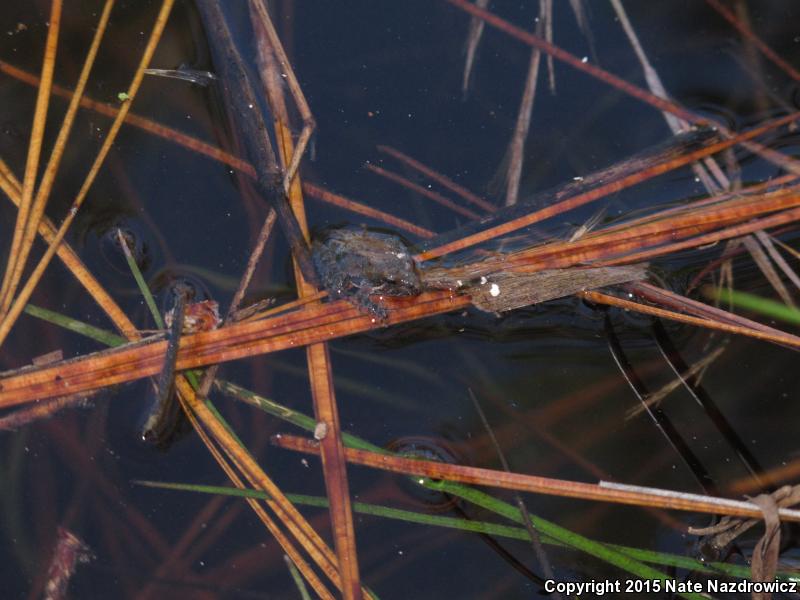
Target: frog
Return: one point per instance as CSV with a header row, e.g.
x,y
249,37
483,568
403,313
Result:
x,y
357,264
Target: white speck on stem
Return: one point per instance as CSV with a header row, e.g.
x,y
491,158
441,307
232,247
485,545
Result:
x,y
494,290
320,431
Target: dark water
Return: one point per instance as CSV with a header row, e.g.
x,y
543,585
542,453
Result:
x,y
383,73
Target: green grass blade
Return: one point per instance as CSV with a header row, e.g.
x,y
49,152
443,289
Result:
x,y
298,579
140,282
757,304
101,335
469,526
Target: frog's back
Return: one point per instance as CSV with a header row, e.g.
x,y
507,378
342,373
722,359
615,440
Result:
x,y
355,263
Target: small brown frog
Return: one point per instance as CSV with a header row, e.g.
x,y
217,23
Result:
x,y
355,264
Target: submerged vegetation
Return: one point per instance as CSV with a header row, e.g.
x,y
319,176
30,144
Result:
x,y
457,344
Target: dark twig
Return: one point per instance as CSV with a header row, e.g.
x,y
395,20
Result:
x,y
162,422
660,419
713,412
244,282
246,113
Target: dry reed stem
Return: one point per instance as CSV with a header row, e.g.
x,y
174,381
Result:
x,y
516,146
46,185
739,215
605,492
9,285
593,194
19,303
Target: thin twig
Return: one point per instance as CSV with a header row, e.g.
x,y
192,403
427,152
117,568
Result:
x,y
473,40
536,540
245,111
294,88
252,262
516,146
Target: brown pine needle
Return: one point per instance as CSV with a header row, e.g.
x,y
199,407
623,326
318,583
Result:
x,y
46,185
293,330
643,243
9,182
768,244
19,303
445,182
324,397
532,40
32,162
778,338
259,480
745,30
628,88
320,193
766,267
195,145
172,135
603,492
422,191
71,260
655,85
284,510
